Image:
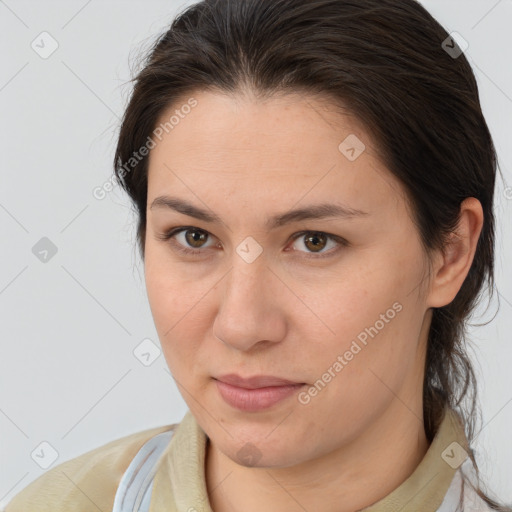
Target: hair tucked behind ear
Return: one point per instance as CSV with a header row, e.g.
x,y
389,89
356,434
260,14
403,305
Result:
x,y
384,61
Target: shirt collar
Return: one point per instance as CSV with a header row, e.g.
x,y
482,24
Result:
x,y
426,487
180,485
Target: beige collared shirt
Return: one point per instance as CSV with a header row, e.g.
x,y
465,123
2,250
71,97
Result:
x,y
89,482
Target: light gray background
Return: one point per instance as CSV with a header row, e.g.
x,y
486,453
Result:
x,y
69,326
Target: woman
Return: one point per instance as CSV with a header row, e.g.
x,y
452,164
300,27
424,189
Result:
x,y
314,185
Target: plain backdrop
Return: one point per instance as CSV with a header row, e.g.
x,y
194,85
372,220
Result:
x,y
73,308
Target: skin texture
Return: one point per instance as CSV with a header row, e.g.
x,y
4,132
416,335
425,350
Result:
x,y
288,314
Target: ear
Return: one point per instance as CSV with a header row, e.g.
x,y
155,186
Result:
x,y
452,266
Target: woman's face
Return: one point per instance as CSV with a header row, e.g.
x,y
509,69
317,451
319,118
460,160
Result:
x,y
344,314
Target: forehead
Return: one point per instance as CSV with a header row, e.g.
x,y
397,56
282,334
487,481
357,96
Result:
x,y
282,149
289,124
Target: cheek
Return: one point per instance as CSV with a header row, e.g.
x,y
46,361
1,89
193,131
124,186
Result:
x,y
373,319
172,307
171,288
353,297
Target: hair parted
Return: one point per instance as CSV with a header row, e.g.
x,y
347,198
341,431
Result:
x,y
383,62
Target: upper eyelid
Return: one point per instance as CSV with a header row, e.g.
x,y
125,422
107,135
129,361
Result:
x,y
180,229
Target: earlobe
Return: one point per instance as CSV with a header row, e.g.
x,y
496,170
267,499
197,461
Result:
x,y
454,263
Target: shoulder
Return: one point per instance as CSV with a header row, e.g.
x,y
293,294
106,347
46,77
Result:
x,y
473,502
463,492
85,483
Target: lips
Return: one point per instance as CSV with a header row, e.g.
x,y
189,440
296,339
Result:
x,y
256,382
255,394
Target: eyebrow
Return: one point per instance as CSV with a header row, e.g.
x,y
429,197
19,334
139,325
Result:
x,y
319,211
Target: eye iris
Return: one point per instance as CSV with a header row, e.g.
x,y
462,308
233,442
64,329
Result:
x,y
317,240
192,240
315,237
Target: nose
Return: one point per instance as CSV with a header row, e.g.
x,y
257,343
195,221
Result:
x,y
251,307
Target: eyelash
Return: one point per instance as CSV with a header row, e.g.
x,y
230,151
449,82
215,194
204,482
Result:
x,y
169,236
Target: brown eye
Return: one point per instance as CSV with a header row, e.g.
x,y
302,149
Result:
x,y
315,241
187,240
197,238
190,240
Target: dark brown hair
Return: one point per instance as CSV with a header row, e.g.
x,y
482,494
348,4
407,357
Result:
x,y
386,62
